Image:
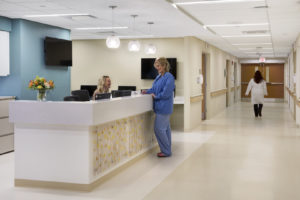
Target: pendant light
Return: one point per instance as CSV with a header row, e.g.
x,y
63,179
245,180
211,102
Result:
x,y
134,45
113,42
150,48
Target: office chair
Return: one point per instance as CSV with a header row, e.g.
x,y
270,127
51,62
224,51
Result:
x,y
71,98
82,94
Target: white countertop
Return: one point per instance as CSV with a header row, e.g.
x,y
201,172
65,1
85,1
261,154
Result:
x,y
78,113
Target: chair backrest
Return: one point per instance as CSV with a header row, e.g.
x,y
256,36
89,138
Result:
x,y
122,87
82,94
90,88
102,96
71,98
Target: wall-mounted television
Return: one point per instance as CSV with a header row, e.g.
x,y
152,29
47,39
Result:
x,y
149,72
58,52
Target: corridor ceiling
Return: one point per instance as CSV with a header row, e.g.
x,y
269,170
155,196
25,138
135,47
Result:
x,y
243,28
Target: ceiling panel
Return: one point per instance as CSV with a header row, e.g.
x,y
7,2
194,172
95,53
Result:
x,y
282,16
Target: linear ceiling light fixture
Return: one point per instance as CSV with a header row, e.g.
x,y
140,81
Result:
x,y
190,16
246,49
216,2
249,44
237,36
258,52
102,28
55,15
237,25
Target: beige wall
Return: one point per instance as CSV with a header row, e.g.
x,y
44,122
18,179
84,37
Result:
x,y
92,59
216,80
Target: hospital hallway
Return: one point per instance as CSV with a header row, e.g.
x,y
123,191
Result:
x,y
233,156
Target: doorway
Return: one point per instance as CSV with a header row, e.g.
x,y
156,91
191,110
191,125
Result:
x,y
203,72
227,82
235,81
273,74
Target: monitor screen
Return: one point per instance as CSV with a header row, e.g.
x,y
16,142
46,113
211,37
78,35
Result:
x,y
149,72
90,88
58,52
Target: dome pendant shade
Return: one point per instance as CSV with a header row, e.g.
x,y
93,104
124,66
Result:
x,y
150,49
134,45
113,42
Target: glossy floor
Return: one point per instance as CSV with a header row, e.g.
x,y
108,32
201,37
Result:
x,y
233,156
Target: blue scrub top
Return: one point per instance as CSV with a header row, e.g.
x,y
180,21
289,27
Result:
x,y
162,88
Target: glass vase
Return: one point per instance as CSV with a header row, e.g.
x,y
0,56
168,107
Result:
x,y
41,95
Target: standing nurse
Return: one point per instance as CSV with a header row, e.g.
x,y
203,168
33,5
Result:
x,y
162,93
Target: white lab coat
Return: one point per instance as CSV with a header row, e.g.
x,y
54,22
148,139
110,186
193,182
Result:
x,y
258,90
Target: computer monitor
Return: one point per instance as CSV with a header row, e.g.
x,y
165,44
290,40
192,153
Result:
x,y
83,95
132,88
102,96
90,88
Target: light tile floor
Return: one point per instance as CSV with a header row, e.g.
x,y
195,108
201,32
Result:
x,y
233,156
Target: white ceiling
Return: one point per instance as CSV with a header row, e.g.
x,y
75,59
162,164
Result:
x,y
282,15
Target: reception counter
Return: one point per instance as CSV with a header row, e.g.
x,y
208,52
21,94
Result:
x,y
75,145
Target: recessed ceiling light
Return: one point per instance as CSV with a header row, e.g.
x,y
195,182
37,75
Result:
x,y
102,28
231,36
216,2
55,15
237,25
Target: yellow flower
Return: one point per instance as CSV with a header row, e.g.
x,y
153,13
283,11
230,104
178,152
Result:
x,y
39,87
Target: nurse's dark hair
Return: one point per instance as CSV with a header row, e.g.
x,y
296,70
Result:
x,y
258,77
163,62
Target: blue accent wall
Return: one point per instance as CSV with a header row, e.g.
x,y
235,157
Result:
x,y
27,61
5,24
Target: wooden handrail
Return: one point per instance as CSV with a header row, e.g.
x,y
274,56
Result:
x,y
197,98
218,93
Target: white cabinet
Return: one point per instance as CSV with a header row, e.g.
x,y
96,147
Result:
x,y
6,128
4,53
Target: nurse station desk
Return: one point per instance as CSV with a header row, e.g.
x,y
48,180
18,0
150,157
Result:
x,y
75,145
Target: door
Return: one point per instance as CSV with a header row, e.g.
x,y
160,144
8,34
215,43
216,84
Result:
x,y
204,87
235,81
273,75
227,82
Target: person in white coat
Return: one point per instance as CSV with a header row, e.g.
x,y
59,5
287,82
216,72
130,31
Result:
x,y
258,88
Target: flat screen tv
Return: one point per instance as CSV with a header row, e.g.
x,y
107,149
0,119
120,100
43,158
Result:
x,y
149,72
58,52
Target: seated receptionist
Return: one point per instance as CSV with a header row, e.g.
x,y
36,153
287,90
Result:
x,y
103,86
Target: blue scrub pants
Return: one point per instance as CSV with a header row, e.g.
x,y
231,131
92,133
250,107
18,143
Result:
x,y
163,133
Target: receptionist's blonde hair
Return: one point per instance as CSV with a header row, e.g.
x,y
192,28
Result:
x,y
163,62
101,85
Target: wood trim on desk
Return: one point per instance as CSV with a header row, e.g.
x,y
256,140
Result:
x,y
197,98
7,98
218,93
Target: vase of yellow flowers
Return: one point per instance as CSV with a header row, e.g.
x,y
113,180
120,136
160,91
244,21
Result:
x,y
42,86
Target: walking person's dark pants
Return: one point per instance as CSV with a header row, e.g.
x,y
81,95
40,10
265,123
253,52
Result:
x,y
258,109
